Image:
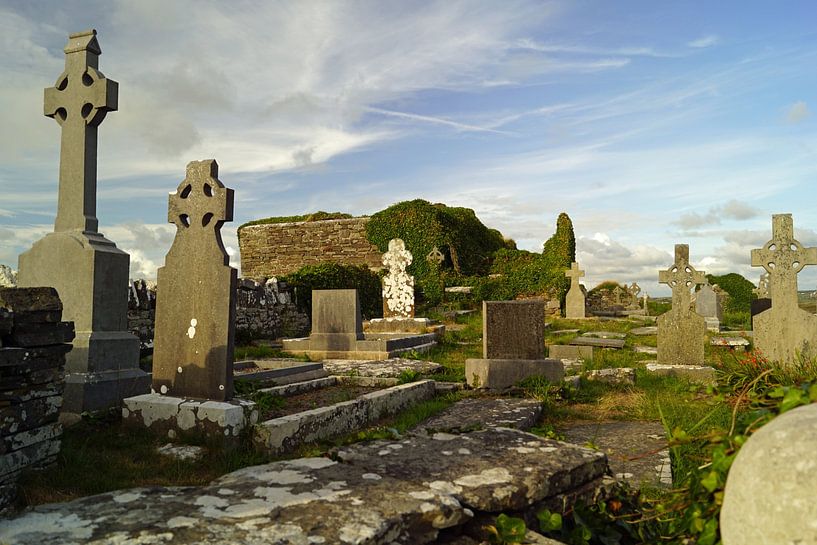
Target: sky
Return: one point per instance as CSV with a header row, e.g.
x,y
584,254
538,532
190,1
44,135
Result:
x,y
650,123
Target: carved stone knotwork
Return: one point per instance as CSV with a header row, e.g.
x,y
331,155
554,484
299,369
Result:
x,y
784,332
195,297
681,331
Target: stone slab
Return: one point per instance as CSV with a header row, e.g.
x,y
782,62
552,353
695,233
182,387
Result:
x,y
566,351
636,451
381,368
616,375
294,502
640,349
695,373
513,330
604,334
499,374
336,312
296,388
288,432
681,338
495,470
172,416
644,331
565,331
472,414
730,342
601,343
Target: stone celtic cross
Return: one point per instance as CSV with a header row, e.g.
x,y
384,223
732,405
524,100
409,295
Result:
x,y
681,277
398,285
782,258
195,297
435,257
762,289
79,102
574,273
617,293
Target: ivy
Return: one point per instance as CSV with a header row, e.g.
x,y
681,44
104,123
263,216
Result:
x,y
739,290
333,276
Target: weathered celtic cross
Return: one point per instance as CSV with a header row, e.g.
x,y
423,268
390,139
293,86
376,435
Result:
x,y
398,285
195,298
681,277
762,289
79,102
783,257
435,257
574,274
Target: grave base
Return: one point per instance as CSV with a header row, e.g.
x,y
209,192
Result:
x,y
496,374
696,373
172,416
373,347
404,325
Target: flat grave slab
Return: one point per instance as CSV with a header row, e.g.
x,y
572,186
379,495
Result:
x,y
696,373
472,414
566,351
602,343
643,331
652,350
381,368
493,470
565,331
730,342
636,451
604,334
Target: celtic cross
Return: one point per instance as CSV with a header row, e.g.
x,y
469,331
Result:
x,y
681,277
782,258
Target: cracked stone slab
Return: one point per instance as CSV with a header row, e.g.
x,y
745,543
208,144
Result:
x,y
593,341
495,470
604,334
381,368
296,502
472,414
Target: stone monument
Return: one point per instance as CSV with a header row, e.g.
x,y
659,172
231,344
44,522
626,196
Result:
x,y
633,290
708,304
398,285
513,346
785,331
681,331
575,302
195,319
195,297
88,271
763,301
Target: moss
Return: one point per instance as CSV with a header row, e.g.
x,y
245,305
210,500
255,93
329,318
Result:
x,y
315,216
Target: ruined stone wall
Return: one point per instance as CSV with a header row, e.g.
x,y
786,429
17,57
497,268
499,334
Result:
x,y
32,363
263,310
276,249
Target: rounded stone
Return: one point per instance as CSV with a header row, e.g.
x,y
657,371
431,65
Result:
x,y
770,489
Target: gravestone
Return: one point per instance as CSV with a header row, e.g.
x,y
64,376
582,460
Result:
x,y
575,302
681,331
435,257
708,305
618,293
763,301
398,285
88,271
633,290
195,298
513,346
336,320
784,332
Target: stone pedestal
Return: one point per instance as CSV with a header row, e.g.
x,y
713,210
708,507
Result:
x,y
90,275
173,416
499,374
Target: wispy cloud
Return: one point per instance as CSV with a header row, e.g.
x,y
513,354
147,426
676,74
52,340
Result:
x,y
705,41
435,120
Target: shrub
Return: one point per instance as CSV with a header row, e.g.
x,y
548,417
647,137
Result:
x,y
332,276
738,288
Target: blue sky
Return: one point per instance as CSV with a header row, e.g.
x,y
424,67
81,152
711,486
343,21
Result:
x,y
649,123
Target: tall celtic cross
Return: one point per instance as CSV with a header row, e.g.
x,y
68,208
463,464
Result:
x,y
681,277
79,102
782,258
574,274
200,206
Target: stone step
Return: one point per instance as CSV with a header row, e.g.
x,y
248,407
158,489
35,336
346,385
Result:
x,y
643,331
602,343
604,334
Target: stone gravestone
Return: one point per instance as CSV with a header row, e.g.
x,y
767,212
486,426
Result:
x,y
398,285
633,290
618,292
336,320
88,271
681,331
763,301
785,331
708,305
513,346
435,257
195,297
575,302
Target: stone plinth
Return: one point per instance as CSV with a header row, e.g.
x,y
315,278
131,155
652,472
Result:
x,y
174,416
88,271
769,495
195,298
702,374
499,374
513,329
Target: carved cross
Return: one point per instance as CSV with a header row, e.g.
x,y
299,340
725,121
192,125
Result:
x,y
201,204
681,277
435,257
783,257
79,102
617,294
397,258
574,274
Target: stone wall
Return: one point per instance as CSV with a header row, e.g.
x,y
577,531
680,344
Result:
x,y
276,249
32,380
263,310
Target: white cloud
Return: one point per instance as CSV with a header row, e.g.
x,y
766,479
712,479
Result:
x,y
731,210
705,41
798,112
606,259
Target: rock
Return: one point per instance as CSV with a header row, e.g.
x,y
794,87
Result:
x,y
616,375
471,414
181,452
769,495
381,368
